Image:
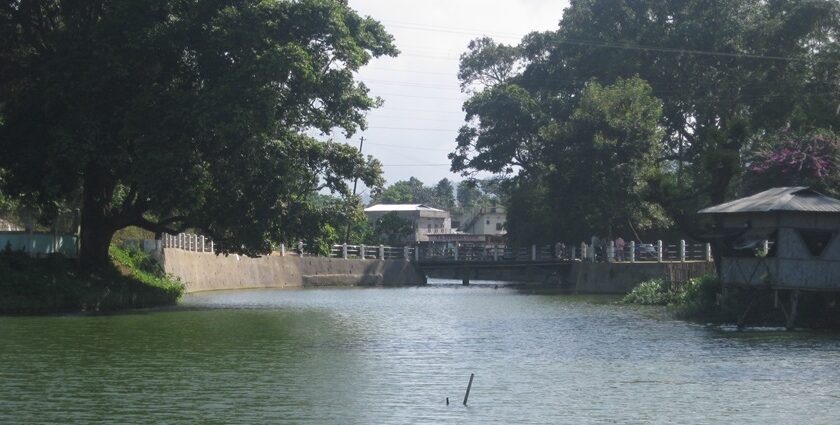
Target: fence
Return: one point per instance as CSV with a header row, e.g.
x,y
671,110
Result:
x,y
188,242
199,243
40,243
631,252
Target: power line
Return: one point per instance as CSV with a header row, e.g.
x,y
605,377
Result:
x,y
416,165
419,97
391,145
616,45
414,129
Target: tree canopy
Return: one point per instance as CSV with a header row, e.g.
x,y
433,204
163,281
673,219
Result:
x,y
413,191
169,115
728,75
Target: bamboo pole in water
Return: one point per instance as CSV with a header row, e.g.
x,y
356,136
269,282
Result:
x,y
467,395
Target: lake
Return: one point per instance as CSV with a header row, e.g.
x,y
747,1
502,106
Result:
x,y
393,356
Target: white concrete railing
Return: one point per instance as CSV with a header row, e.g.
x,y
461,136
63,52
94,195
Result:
x,y
630,253
200,243
188,242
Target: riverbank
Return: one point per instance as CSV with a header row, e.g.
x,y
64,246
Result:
x,y
702,300
56,285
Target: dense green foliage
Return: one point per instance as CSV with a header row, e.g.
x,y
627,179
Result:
x,y
650,292
391,229
656,107
413,191
56,284
168,115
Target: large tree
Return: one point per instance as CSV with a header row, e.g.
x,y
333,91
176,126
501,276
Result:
x,y
168,115
413,191
728,73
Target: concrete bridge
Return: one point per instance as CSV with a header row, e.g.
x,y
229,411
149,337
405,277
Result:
x,y
583,269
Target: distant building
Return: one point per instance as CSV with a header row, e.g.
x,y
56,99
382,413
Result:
x,y
785,238
426,220
489,220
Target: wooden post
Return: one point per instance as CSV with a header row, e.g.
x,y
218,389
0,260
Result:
x,y
632,251
611,252
282,250
344,251
682,250
708,252
794,304
203,243
211,246
533,253
405,252
469,386
417,253
381,252
659,251
362,252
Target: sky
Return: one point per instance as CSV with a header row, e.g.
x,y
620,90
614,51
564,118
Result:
x,y
415,129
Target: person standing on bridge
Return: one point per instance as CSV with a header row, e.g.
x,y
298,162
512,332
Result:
x,y
619,248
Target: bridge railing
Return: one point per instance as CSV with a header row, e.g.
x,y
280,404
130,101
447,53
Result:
x,y
631,252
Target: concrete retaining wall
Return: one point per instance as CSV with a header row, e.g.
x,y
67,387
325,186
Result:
x,y
621,278
206,271
579,277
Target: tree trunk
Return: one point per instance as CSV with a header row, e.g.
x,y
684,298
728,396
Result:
x,y
96,237
96,226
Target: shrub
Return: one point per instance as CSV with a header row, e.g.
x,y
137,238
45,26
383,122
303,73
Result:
x,y
698,298
649,292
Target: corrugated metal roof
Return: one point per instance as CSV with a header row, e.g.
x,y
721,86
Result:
x,y
400,207
798,198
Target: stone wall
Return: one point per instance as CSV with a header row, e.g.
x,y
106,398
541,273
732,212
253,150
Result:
x,y
203,271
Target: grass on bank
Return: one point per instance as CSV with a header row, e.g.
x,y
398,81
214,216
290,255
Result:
x,y
701,299
56,284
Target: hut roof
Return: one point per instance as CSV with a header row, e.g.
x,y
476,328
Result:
x,y
800,199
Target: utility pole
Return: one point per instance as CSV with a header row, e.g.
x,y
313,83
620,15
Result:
x,y
355,182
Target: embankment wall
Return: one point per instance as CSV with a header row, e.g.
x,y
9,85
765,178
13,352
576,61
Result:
x,y
201,271
621,278
580,277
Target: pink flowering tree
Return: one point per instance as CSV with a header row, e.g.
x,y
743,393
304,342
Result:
x,y
809,159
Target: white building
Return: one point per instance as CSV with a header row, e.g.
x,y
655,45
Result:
x,y
488,220
426,220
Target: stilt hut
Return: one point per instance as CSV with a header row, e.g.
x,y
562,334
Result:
x,y
785,238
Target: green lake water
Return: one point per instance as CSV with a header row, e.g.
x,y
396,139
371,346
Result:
x,y
393,355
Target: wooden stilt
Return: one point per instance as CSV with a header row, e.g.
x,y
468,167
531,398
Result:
x,y
794,306
742,319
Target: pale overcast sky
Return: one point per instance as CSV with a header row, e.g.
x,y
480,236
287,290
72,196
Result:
x,y
416,128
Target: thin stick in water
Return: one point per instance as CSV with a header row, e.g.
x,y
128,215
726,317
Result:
x,y
467,395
